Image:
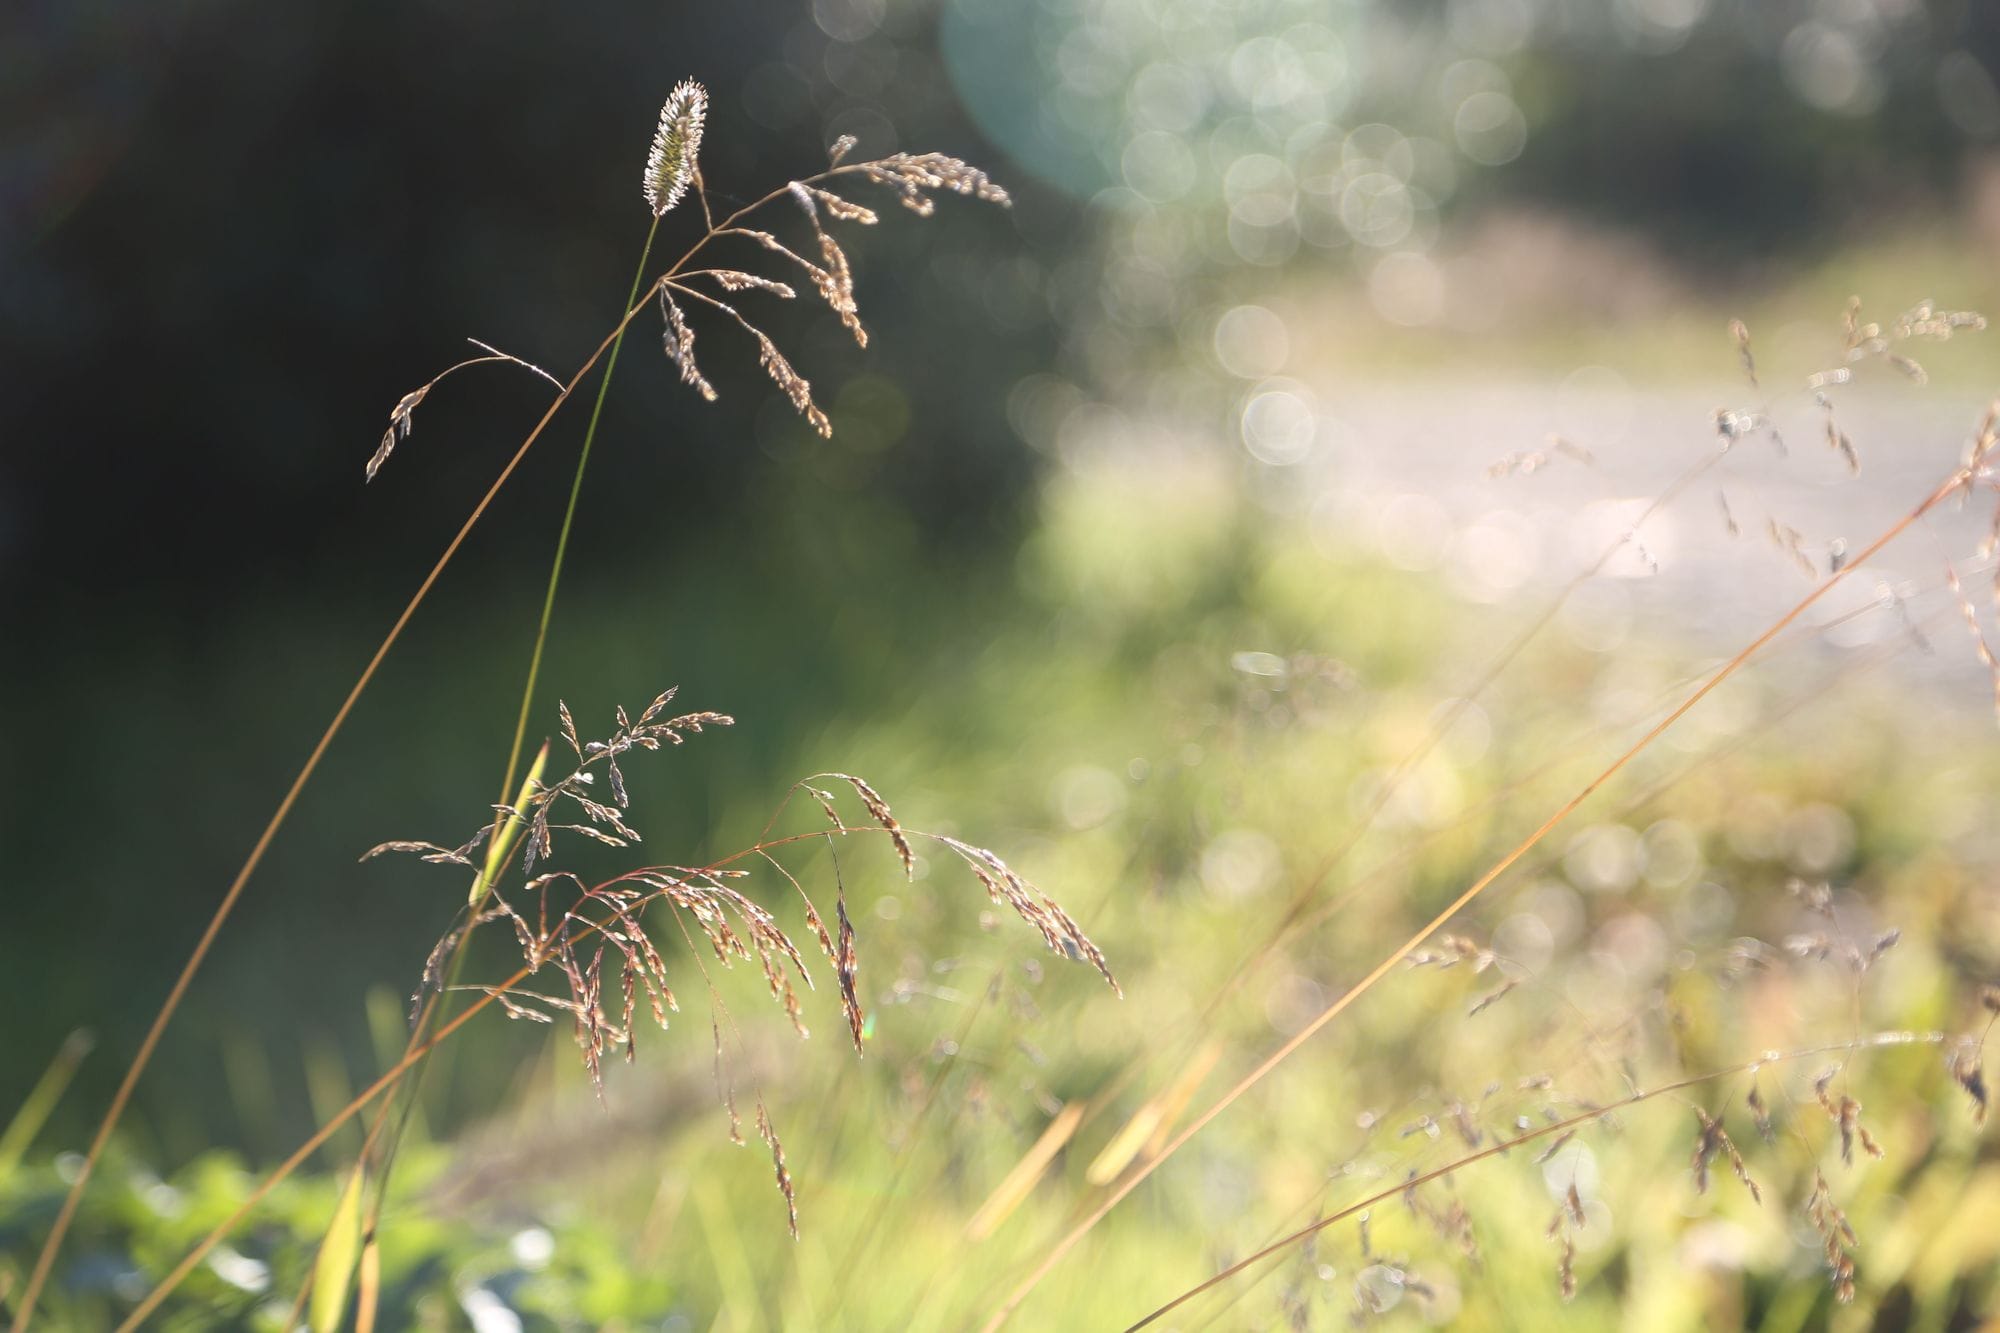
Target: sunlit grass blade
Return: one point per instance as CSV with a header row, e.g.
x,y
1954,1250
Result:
x,y
34,1110
1154,1120
510,831
1014,1188
338,1255
368,1286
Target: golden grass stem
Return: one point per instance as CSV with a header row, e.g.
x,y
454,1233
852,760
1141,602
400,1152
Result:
x,y
388,1079
298,1158
1508,1145
569,519
505,829
41,1100
1299,913
45,1261
1458,904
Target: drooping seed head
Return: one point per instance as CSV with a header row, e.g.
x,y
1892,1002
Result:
x,y
670,166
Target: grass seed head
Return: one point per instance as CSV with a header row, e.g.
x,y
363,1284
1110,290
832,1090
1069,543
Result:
x,y
672,162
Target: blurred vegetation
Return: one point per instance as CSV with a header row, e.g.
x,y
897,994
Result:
x,y
1291,676
1054,585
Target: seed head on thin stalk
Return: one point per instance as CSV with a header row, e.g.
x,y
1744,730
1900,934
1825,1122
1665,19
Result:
x,y
597,939
672,169
402,418
672,162
913,177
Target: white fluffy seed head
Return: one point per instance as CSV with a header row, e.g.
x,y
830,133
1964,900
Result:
x,y
670,165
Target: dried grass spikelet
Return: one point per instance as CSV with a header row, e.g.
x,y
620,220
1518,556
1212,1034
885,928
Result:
x,y
1491,997
1715,1140
1058,929
1925,320
1561,1141
1529,462
1453,950
671,163
1864,341
402,417
736,280
1733,424
794,385
878,810
1451,1222
836,280
844,210
1837,1239
401,423
784,1174
912,175
1569,1218
1966,1063
1987,657
1838,439
1760,1112
847,968
678,339
1792,542
1741,333
1846,1115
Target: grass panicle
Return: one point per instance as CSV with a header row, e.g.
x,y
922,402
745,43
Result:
x,y
673,163
672,171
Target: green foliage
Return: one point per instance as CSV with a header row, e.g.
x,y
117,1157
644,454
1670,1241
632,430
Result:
x,y
1262,682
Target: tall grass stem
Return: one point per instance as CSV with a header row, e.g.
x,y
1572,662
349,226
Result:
x,y
1333,1010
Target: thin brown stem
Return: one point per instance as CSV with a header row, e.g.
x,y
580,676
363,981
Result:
x,y
46,1260
297,1159
1508,1145
1458,904
1300,914
414,1056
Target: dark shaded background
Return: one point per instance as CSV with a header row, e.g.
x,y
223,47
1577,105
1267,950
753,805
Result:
x,y
234,238
231,237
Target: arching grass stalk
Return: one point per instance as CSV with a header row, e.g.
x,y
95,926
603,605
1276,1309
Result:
x,y
1301,913
433,1006
171,1005
1959,481
1502,1147
666,885
569,520
912,178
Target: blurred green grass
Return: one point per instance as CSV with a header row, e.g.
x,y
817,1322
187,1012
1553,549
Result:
x,y
1167,712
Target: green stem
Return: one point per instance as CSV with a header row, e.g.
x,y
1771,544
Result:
x,y
433,1010
569,518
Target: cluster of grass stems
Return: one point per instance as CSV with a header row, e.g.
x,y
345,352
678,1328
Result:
x,y
596,939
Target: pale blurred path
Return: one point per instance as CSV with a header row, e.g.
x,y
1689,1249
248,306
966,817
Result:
x,y
1409,469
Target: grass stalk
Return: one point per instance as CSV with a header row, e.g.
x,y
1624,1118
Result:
x,y
390,1077
1504,1146
45,1261
501,844
121,1099
569,520
1070,1239
41,1100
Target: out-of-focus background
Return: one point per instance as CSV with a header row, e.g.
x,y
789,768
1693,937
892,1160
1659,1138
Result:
x,y
1323,347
